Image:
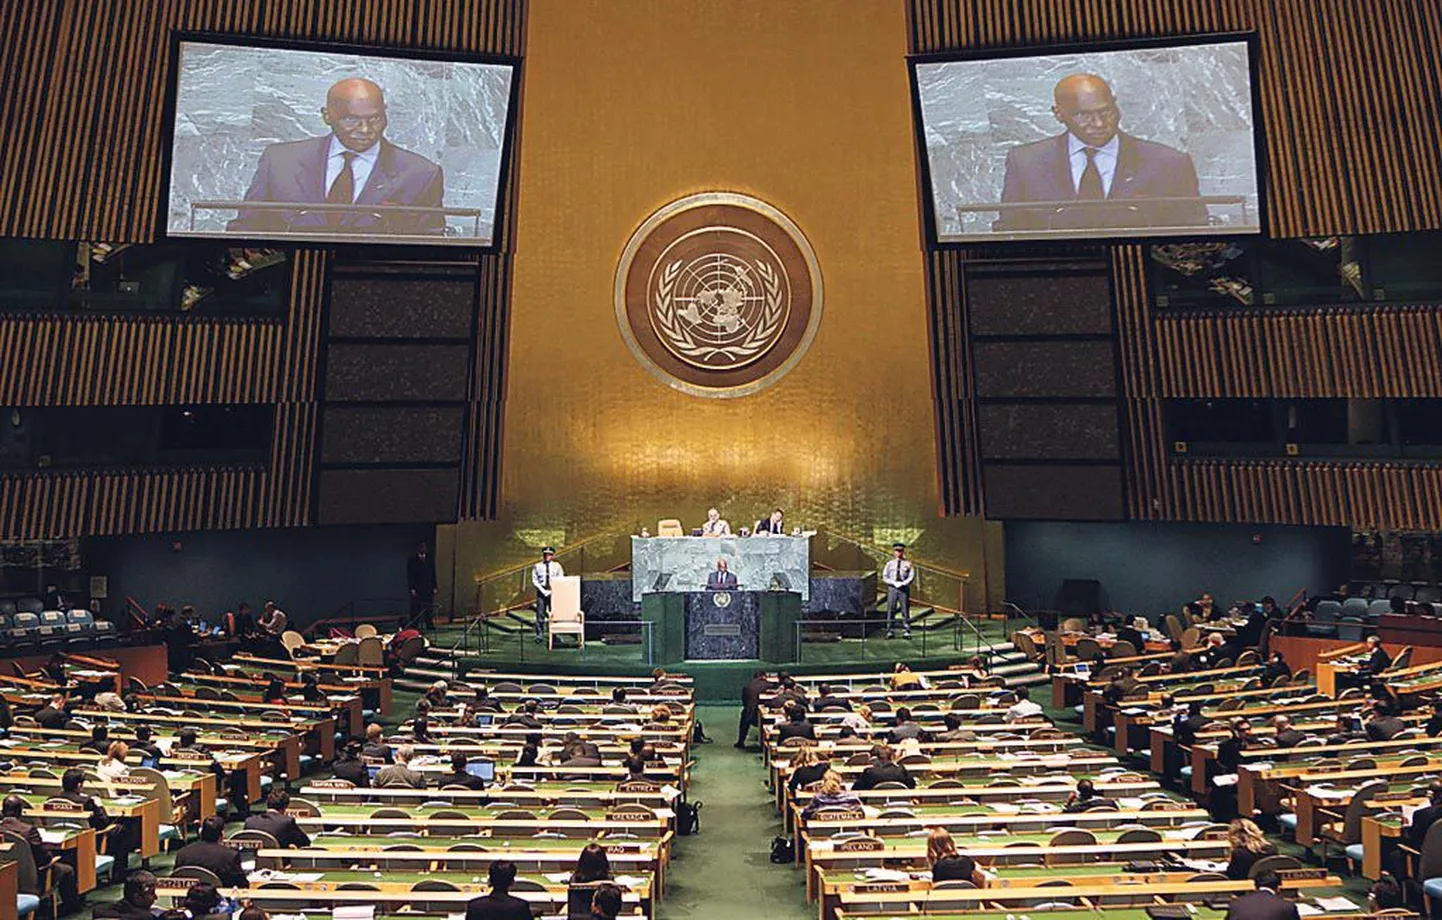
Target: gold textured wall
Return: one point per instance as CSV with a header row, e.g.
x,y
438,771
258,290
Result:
x,y
629,104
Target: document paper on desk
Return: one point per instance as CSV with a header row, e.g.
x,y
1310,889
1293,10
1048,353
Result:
x,y
1336,903
354,912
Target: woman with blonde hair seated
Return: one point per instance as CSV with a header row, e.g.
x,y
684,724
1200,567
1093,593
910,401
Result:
x,y
112,765
947,865
903,678
832,794
807,767
1248,846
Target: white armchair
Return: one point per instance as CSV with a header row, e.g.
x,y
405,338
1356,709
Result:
x,y
567,617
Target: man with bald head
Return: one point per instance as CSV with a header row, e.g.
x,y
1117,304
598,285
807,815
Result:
x,y
353,165
1108,174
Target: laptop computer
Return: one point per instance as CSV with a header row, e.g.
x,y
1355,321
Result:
x,y
149,761
485,769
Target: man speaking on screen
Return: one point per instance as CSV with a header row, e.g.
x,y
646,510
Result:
x,y
1094,176
352,165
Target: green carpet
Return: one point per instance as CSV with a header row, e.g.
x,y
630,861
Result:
x,y
724,873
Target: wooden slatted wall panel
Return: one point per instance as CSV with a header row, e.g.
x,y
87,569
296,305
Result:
x,y
958,458
69,360
1350,91
1391,496
1146,449
481,444
1371,352
82,84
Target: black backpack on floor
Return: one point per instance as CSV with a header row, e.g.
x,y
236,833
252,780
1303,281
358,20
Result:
x,y
688,818
783,851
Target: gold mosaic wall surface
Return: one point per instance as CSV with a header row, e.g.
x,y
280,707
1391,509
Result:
x,y
629,104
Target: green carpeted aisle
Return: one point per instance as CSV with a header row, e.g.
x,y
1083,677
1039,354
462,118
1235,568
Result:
x,y
724,873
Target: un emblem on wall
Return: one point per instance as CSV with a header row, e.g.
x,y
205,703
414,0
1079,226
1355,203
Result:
x,y
718,294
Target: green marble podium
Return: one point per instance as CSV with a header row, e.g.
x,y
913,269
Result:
x,y
680,620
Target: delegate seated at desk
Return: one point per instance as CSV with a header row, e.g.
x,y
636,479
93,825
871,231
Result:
x,y
721,579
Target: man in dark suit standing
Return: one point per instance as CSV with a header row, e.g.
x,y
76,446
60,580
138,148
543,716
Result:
x,y
275,822
1263,904
352,165
1110,174
209,852
722,579
751,705
421,580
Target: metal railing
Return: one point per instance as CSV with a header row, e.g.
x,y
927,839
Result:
x,y
870,633
935,586
510,588
378,611
484,638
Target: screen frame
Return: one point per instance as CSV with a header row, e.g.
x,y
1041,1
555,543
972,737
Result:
x,y
1252,39
505,188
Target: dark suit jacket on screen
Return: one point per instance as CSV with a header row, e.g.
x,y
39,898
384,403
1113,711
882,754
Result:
x,y
295,171
1040,171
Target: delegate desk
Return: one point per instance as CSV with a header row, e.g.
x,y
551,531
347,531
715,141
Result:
x,y
278,896
459,820
346,710
286,738
1071,868
415,854
246,763
1197,911
1119,900
541,795
372,681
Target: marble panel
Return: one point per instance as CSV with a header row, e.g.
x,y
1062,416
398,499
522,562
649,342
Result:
x,y
841,592
1196,99
755,561
723,625
232,102
608,599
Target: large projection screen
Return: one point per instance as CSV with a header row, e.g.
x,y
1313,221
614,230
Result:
x,y
342,145
1147,140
